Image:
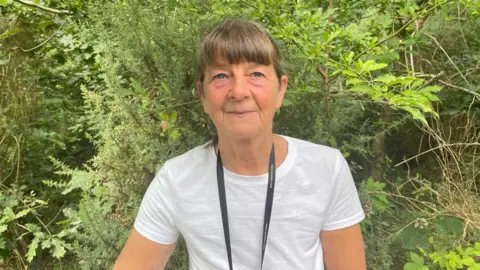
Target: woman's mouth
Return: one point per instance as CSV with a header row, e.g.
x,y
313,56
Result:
x,y
240,114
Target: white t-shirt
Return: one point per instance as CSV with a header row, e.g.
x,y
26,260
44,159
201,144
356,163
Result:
x,y
314,191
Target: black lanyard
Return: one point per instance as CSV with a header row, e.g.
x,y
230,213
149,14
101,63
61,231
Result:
x,y
268,204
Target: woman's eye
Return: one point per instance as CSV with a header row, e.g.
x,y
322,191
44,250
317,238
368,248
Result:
x,y
220,76
257,74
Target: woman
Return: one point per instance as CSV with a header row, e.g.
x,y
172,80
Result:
x,y
250,199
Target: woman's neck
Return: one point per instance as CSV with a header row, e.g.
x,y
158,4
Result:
x,y
250,156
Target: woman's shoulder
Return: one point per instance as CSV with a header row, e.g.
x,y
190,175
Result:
x,y
309,148
194,158
317,158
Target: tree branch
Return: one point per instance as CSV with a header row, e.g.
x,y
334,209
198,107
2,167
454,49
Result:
x,y
448,56
400,29
52,10
459,88
438,147
436,78
44,42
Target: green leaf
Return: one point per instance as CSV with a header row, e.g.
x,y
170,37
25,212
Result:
x,y
4,2
374,66
468,261
417,83
8,215
3,228
452,224
58,250
137,86
350,73
414,237
362,88
166,88
32,248
173,116
474,267
385,78
41,202
416,114
332,141
349,57
33,228
22,213
163,116
416,258
354,81
431,89
414,266
2,243
173,134
402,80
469,251
46,243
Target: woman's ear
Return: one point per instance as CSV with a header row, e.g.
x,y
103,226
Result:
x,y
200,92
282,88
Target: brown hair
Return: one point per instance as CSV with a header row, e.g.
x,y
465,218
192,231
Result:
x,y
237,40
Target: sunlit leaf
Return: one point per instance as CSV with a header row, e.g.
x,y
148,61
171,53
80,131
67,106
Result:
x,y
354,81
414,266
468,261
32,249
349,73
173,116
58,248
385,78
416,258
22,213
431,89
362,88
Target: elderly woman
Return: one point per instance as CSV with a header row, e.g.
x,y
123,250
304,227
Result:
x,y
251,199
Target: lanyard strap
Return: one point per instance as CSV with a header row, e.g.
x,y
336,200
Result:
x,y
268,204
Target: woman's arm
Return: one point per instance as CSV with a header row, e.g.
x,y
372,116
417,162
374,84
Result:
x,y
141,253
343,248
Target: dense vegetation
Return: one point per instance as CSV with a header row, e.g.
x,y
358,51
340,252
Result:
x,y
96,95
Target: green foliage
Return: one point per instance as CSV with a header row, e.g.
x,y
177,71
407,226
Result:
x,y
458,258
416,264
377,206
373,191
17,208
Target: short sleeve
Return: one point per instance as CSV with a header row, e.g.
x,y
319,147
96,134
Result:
x,y
155,218
344,208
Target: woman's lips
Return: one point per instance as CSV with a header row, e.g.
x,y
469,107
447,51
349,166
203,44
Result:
x,y
240,114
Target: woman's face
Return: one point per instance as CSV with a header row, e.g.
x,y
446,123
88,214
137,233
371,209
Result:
x,y
241,99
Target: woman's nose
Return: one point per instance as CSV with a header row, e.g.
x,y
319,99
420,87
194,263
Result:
x,y
239,88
